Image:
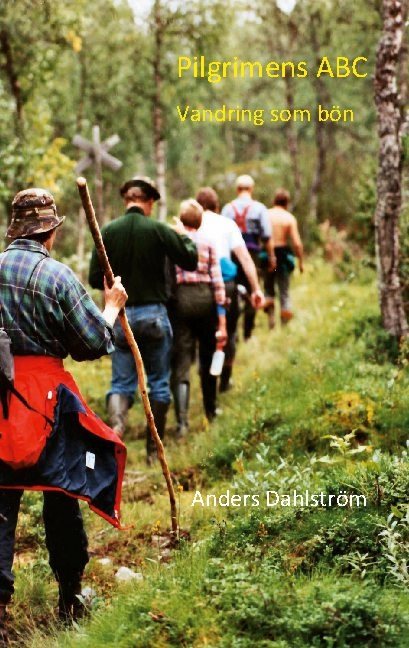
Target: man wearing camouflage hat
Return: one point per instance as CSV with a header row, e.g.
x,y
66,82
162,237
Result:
x,y
137,248
46,428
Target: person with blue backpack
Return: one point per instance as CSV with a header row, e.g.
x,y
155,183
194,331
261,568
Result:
x,y
235,261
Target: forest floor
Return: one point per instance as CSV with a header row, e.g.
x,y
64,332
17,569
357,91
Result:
x,y
282,576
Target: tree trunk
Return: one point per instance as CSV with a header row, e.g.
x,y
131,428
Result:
x,y
389,181
320,166
160,159
9,68
199,157
158,126
321,134
403,81
292,141
286,44
82,90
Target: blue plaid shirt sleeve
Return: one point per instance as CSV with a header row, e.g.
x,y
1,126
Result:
x,y
88,335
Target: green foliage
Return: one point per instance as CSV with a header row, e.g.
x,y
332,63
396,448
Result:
x,y
326,408
30,518
395,536
404,258
254,606
362,225
279,576
261,423
380,346
72,73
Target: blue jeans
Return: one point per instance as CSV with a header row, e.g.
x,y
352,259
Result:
x,y
153,334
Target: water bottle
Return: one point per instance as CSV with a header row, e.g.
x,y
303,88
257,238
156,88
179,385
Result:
x,y
217,363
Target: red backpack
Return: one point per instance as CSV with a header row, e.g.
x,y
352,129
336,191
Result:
x,y
240,217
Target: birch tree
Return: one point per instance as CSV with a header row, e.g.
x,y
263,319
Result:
x,y
389,180
173,26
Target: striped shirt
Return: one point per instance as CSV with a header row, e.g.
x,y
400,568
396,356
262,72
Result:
x,y
207,271
54,316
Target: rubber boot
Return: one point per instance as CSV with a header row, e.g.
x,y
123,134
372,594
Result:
x,y
209,392
269,310
225,377
159,411
271,318
4,638
249,321
118,406
70,607
181,400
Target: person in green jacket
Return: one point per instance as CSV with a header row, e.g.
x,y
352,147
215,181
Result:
x,y
137,248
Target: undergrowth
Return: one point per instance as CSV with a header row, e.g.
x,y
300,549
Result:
x,y
320,406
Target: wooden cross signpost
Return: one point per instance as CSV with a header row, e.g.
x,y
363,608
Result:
x,y
97,154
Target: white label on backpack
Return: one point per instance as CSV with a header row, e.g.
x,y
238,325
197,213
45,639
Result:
x,y
90,460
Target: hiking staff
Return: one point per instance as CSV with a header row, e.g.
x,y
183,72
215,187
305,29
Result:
x,y
107,270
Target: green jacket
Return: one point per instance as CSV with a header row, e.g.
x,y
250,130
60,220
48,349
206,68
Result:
x,y
137,247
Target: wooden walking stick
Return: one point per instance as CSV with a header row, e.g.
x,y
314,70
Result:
x,y
107,270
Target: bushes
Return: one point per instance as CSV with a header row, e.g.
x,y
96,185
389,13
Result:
x,y
302,539
261,423
379,345
257,606
306,540
285,577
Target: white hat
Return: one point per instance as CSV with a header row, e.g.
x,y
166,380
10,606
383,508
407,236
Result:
x,y
244,182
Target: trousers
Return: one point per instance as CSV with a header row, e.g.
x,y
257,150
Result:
x,y
66,539
153,333
194,320
232,318
249,315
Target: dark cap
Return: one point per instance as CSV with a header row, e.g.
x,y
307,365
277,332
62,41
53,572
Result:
x,y
143,182
33,212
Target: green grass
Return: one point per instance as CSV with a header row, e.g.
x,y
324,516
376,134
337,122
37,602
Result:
x,y
277,577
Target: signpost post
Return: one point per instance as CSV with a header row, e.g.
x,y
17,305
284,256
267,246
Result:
x,y
97,155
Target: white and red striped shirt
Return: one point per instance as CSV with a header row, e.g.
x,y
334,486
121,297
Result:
x,y
208,268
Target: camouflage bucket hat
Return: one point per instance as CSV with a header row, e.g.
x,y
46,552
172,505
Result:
x,y
33,212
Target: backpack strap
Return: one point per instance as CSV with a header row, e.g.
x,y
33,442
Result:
x,y
9,387
241,217
4,397
17,313
7,384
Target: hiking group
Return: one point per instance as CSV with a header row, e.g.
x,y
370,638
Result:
x,y
183,286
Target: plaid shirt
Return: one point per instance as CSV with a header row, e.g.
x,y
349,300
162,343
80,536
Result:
x,y
207,271
55,316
